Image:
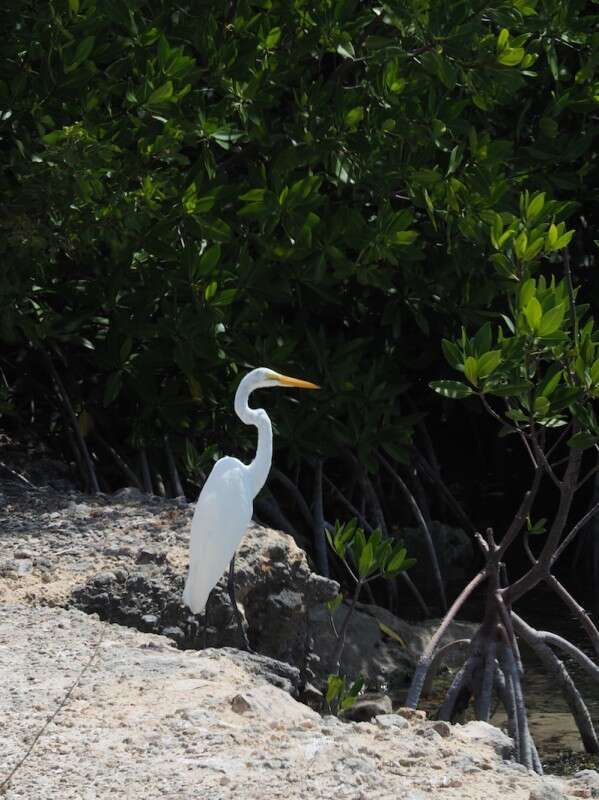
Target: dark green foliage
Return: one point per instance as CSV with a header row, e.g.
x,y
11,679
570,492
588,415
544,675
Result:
x,y
310,186
542,360
340,697
367,557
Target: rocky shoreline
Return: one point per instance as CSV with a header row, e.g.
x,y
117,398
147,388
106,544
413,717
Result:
x,y
149,718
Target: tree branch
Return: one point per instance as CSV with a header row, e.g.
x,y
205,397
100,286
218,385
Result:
x,y
580,524
579,612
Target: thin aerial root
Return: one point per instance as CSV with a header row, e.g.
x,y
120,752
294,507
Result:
x,y
511,670
460,683
427,656
437,660
484,699
505,689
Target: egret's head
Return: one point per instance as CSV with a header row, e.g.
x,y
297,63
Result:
x,y
263,378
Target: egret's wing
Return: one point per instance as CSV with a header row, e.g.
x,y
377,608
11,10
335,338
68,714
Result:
x,y
222,514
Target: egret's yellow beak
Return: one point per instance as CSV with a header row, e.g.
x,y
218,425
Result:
x,y
285,380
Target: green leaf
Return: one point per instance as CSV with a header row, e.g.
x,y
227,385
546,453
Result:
x,y
533,313
112,388
552,237
354,117
330,539
225,297
161,95
551,380
538,527
511,56
533,249
541,406
483,340
509,389
563,241
125,350
581,441
397,561
352,695
527,292
521,244
375,541
404,238
564,396
496,230
455,159
54,137
74,6
503,265
453,389
82,53
273,38
366,560
552,320
253,196
335,603
210,290
535,207
209,259
451,353
488,363
471,370
502,39
392,634
346,50
335,685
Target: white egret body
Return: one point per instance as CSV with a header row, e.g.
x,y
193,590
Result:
x,y
225,505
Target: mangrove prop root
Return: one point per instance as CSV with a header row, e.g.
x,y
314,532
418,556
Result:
x,y
426,658
556,669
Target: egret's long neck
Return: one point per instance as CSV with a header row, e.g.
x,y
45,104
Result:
x,y
260,466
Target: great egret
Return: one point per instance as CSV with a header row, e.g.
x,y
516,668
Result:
x,y
225,505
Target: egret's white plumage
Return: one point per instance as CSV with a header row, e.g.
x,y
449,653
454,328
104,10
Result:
x,y
225,505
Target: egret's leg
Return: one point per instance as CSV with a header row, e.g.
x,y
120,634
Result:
x,y
231,586
206,624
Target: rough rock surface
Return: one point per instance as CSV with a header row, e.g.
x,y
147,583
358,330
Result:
x,y
378,645
148,720
125,557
